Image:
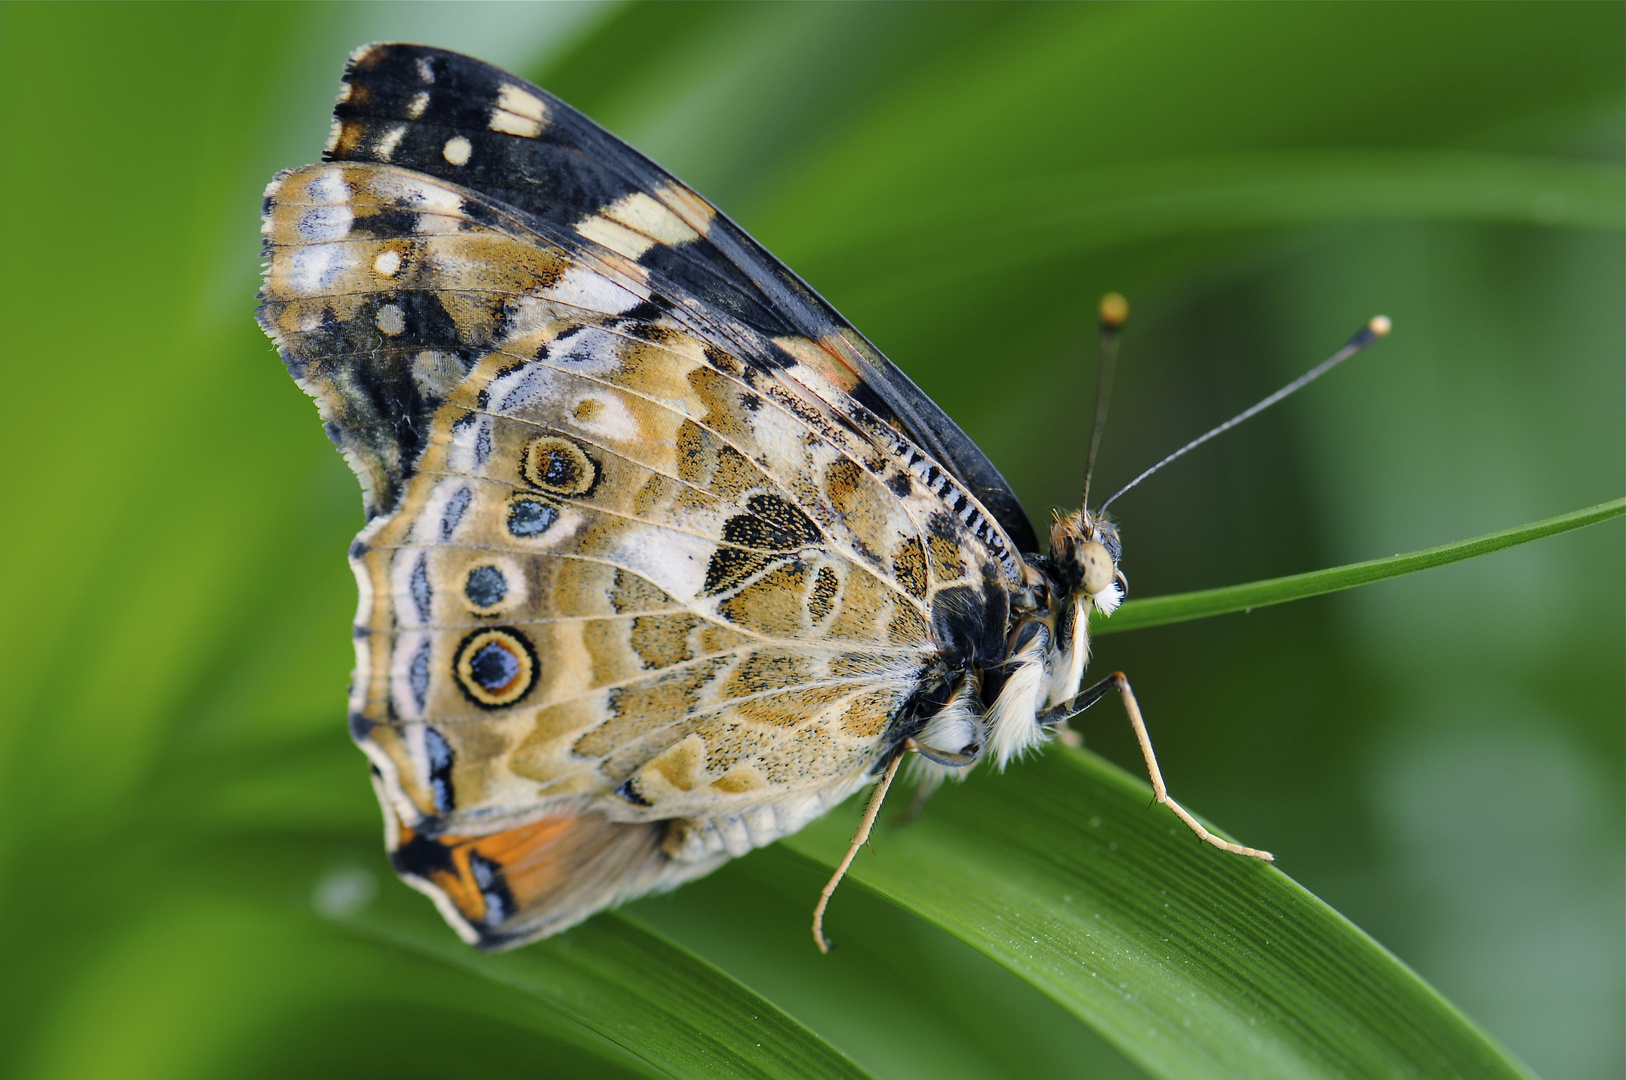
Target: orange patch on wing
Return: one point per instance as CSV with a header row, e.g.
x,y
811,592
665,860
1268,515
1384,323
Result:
x,y
511,886
846,371
512,867
826,356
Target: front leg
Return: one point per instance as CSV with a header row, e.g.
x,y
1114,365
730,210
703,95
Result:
x,y
1116,681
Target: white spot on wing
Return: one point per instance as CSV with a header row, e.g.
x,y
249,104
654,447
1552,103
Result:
x,y
463,454
391,321
635,223
585,289
531,316
695,211
439,210
313,269
328,187
457,150
389,141
509,124
611,419
324,223
438,223
419,102
591,352
420,193
618,238
519,112
699,843
538,388
640,211
426,71
387,264
673,560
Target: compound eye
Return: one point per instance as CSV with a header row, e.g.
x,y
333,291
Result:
x,y
1095,566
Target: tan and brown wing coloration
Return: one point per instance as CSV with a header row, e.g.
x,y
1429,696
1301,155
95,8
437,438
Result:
x,y
643,585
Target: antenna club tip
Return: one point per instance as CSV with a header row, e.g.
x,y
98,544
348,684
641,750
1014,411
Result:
x,y
1380,325
1114,311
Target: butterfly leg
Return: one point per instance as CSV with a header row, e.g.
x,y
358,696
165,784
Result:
x,y
860,838
1160,793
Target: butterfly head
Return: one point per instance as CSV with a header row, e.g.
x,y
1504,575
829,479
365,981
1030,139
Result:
x,y
1084,554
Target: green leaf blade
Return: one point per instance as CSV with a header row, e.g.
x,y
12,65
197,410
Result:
x,y
1194,963
638,990
1183,607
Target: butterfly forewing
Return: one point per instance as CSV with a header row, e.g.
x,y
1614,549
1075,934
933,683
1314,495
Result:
x,y
643,586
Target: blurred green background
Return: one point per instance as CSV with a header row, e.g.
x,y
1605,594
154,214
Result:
x,y
1439,757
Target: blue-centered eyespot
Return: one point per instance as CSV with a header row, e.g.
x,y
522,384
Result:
x,y
496,668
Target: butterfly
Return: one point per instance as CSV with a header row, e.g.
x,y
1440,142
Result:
x,y
662,558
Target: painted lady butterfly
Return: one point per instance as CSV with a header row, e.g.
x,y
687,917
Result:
x,y
662,558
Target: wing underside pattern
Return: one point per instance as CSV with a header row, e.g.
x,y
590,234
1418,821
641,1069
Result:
x,y
644,584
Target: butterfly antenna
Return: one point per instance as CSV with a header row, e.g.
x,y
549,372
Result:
x,y
1376,327
1114,313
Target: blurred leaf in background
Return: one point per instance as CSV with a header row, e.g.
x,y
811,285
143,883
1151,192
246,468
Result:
x,y
193,882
